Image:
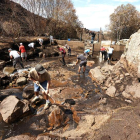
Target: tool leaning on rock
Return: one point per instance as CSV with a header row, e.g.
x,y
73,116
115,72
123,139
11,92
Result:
x,y
50,98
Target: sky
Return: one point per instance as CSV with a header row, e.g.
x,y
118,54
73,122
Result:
x,y
94,14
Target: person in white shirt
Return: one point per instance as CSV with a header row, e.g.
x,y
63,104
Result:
x,y
15,55
31,45
51,39
110,53
40,40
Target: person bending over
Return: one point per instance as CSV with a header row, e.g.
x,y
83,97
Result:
x,y
83,62
15,55
39,75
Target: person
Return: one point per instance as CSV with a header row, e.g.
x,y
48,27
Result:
x,y
92,36
63,52
31,45
23,52
15,55
69,49
110,53
83,59
86,52
51,39
92,49
40,40
102,50
40,75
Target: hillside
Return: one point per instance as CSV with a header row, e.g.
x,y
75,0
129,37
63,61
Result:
x,y
16,21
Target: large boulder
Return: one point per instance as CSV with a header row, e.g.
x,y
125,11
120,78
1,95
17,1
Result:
x,y
12,109
97,75
21,81
56,117
12,91
132,52
28,92
8,70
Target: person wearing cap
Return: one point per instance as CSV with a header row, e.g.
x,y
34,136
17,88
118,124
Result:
x,y
15,55
63,52
40,40
23,52
40,75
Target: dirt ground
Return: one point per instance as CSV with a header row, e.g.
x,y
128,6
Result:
x,y
101,117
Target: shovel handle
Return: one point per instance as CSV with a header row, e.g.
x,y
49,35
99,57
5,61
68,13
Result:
x,y
50,98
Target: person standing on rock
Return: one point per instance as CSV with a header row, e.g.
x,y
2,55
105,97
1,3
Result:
x,y
15,55
23,52
39,75
63,52
83,59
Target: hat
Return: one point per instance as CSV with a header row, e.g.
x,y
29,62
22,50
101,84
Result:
x,y
20,43
10,49
40,69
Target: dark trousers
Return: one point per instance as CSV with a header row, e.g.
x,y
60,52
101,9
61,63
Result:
x,y
103,54
63,59
17,60
69,51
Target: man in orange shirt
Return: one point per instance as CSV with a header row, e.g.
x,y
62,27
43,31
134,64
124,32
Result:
x,y
23,52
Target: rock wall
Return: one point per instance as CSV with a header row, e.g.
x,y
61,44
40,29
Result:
x,y
124,75
132,49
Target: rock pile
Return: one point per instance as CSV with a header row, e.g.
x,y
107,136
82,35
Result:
x,y
122,78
